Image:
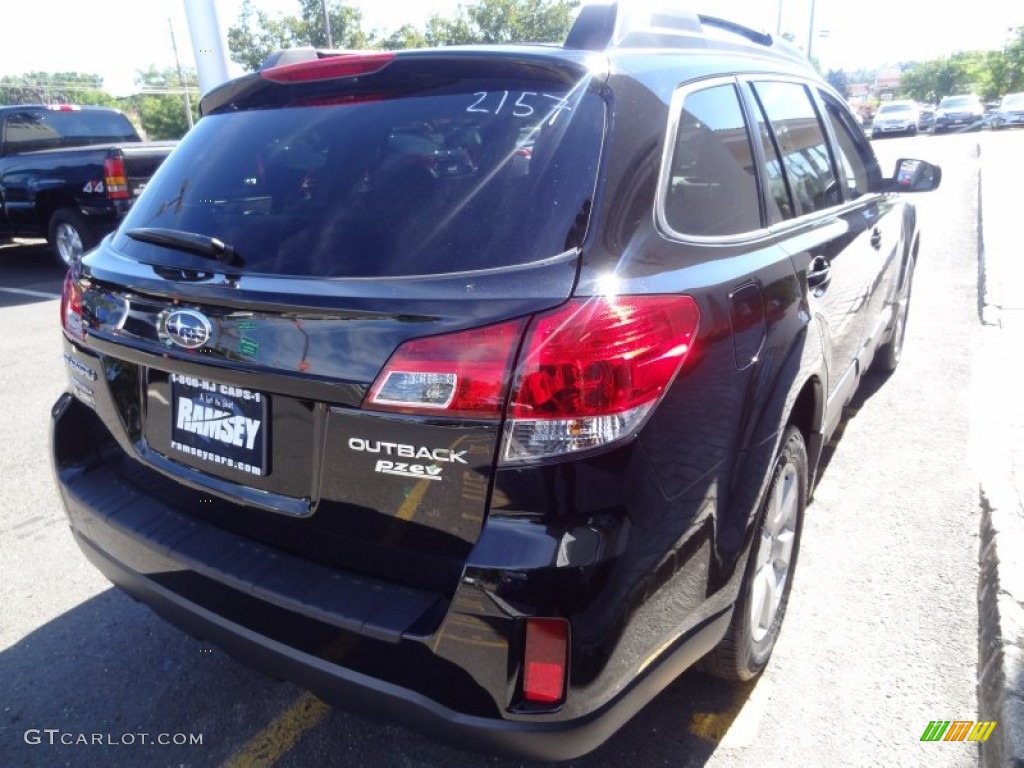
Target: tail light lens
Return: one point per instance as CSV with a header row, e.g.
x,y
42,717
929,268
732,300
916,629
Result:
x,y
589,373
71,309
115,178
546,654
459,374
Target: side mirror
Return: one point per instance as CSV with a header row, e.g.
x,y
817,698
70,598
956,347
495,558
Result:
x,y
915,176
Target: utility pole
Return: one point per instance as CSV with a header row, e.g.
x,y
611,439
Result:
x,y
327,24
181,77
810,31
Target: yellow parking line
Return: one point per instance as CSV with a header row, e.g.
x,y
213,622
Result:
x,y
419,490
412,501
713,726
269,745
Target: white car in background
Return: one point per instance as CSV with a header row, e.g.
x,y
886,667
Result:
x,y
896,117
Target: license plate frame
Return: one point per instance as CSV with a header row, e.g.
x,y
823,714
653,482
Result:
x,y
220,425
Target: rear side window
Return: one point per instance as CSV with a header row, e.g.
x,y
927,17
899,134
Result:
x,y
459,176
806,159
34,130
712,185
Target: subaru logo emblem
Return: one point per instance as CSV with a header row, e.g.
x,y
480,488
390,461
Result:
x,y
188,328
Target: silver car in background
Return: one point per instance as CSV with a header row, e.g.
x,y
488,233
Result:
x,y
1010,112
896,117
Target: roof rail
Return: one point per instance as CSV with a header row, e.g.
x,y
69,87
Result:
x,y
658,23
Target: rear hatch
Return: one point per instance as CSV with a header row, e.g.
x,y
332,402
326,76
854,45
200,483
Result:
x,y
312,223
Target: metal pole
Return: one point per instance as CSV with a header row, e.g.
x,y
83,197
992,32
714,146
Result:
x,y
327,24
207,43
778,23
181,78
810,32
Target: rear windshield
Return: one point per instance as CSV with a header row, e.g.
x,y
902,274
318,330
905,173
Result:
x,y
33,130
469,178
895,108
959,101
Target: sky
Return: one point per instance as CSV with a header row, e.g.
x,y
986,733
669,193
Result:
x,y
114,39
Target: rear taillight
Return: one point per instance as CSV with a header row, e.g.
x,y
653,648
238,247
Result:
x,y
71,309
115,179
592,370
588,374
343,65
459,374
544,662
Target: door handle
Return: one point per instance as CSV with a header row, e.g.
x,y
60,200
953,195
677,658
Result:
x,y
876,238
819,272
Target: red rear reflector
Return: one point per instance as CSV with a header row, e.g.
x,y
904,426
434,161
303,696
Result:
x,y
71,309
115,178
547,648
343,65
457,374
600,356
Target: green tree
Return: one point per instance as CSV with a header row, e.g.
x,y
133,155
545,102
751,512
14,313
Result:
x,y
504,21
455,31
258,34
1013,62
406,36
161,106
54,88
929,81
838,80
521,21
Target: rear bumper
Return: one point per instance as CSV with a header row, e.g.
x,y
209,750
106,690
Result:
x,y
380,700
278,614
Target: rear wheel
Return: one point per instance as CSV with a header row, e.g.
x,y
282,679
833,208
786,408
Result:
x,y
888,356
764,594
70,236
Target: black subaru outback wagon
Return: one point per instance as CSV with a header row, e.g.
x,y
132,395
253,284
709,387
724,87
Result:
x,y
482,389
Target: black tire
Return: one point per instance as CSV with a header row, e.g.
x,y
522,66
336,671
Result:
x,y
889,354
913,130
745,650
70,236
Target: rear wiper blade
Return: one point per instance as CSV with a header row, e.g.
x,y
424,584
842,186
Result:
x,y
192,242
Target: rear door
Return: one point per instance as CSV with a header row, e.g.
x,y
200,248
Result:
x,y
828,240
859,174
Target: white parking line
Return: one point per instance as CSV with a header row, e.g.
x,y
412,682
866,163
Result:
x,y
34,294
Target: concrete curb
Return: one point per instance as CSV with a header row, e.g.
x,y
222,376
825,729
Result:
x,y
1001,574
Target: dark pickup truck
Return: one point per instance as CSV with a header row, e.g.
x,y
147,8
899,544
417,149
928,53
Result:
x,y
70,173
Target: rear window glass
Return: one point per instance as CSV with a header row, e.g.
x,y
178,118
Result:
x,y
959,102
712,187
470,178
45,129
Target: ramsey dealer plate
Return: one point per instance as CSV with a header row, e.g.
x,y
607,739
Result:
x,y
219,424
